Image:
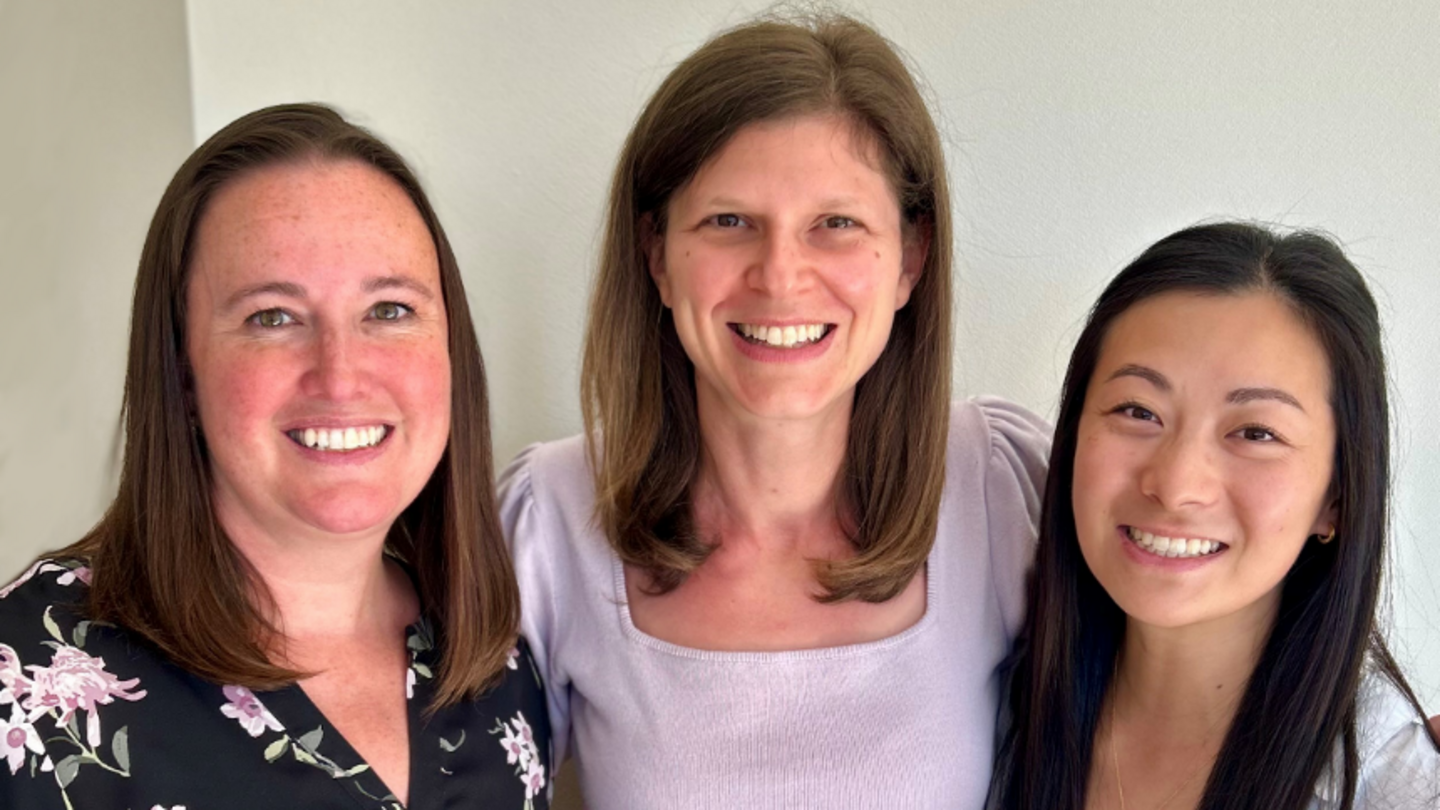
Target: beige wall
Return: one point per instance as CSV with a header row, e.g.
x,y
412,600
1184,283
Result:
x,y
96,101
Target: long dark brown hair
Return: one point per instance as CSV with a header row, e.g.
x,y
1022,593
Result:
x,y
1300,702
162,566
637,384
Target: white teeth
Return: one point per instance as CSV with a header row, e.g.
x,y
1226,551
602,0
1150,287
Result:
x,y
782,336
1173,547
339,439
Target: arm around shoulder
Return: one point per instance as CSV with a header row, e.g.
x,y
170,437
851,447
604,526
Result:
x,y
1019,459
526,533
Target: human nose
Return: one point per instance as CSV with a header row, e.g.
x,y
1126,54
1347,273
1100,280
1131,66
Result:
x,y
1181,473
782,265
334,372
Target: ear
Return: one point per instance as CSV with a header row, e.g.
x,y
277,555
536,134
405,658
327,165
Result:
x,y
652,242
915,250
1326,521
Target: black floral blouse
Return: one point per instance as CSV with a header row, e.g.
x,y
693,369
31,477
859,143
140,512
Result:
x,y
93,719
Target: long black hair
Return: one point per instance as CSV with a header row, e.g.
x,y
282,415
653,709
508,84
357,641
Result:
x,y
1283,735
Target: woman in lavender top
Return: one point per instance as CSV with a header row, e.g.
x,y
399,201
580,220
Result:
x,y
781,567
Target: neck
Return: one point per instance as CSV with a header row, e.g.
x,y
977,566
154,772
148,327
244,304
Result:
x,y
770,482
1189,680
326,587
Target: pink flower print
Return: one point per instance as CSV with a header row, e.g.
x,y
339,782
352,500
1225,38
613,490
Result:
x,y
38,567
512,658
534,779
409,682
515,748
16,737
80,572
248,709
73,681
523,729
13,683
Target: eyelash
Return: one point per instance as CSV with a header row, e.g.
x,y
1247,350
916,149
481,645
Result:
x,y
715,221
254,319
406,311
834,222
1274,436
1134,406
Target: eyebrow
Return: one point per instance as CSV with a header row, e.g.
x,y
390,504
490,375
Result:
x,y
290,289
1146,373
1239,396
379,283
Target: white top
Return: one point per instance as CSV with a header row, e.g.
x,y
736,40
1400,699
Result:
x,y
1399,766
907,721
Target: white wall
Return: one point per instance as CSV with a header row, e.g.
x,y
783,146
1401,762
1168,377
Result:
x,y
96,116
1078,131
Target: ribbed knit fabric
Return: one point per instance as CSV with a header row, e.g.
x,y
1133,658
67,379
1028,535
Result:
x,y
905,722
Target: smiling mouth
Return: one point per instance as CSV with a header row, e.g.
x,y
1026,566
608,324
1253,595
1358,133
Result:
x,y
782,337
340,440
1174,547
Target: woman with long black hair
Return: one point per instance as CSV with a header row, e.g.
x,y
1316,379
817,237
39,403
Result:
x,y
1202,631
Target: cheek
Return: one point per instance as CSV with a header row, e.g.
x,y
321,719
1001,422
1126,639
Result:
x,y
866,276
1278,502
425,387
1095,471
237,393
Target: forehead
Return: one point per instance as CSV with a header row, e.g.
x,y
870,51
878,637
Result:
x,y
312,216
828,149
1204,342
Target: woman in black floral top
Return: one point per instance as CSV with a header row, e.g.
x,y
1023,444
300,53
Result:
x,y
299,597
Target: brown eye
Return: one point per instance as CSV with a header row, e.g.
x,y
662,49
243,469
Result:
x,y
270,318
1255,433
838,222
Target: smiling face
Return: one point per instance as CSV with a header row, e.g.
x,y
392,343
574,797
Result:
x,y
783,262
317,339
1207,420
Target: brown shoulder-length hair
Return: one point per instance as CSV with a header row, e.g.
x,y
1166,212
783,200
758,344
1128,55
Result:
x,y
162,566
637,384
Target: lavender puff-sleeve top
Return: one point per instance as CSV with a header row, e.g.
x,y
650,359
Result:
x,y
906,721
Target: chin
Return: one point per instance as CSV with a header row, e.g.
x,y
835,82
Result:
x,y
350,513
778,403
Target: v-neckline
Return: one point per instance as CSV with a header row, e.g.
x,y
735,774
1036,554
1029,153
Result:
x,y
331,752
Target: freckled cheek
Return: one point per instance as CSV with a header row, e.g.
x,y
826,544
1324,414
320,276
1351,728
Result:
x,y
424,384
238,395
